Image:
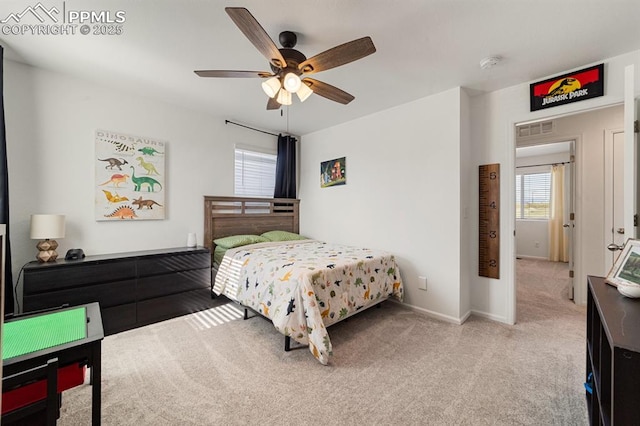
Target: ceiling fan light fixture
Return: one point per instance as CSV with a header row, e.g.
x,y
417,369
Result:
x,y
271,86
304,92
284,97
292,82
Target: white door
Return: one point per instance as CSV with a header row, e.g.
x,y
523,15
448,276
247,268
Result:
x,y
621,189
614,195
630,154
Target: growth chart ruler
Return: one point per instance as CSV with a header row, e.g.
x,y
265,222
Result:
x,y
489,236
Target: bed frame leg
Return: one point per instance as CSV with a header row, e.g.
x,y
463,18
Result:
x,y
246,314
287,343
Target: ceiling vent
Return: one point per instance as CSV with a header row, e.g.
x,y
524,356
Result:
x,y
535,129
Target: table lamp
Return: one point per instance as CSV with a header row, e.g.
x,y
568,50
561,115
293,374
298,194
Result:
x,y
47,227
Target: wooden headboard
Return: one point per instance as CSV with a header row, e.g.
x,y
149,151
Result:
x,y
224,216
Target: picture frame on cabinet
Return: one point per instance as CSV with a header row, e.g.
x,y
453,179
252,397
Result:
x,y
626,269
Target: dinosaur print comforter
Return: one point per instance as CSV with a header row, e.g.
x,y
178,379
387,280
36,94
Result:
x,y
305,286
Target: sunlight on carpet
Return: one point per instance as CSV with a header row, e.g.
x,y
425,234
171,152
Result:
x,y
214,317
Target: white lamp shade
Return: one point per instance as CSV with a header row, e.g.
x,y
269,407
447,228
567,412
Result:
x,y
291,82
304,92
271,86
284,97
47,226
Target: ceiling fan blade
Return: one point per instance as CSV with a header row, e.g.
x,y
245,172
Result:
x,y
237,74
273,104
328,91
339,55
252,29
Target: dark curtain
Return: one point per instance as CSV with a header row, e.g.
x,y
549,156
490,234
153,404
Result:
x,y
286,168
4,197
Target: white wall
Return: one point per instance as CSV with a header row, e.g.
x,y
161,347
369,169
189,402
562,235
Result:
x,y
51,121
494,116
532,238
403,193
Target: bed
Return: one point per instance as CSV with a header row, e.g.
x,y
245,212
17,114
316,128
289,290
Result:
x,y
302,286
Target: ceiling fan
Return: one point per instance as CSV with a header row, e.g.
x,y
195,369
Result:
x,y
288,64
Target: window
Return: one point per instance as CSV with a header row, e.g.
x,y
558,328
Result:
x,y
255,173
533,195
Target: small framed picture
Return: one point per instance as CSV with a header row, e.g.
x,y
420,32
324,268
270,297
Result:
x,y
626,269
333,172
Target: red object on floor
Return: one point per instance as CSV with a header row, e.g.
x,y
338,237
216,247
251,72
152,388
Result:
x,y
68,377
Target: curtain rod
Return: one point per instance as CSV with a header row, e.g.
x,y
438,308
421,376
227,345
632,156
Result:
x,y
250,128
547,164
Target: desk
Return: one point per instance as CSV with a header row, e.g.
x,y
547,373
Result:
x,y
48,337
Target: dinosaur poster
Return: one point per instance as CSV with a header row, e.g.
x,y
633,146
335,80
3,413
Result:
x,y
130,177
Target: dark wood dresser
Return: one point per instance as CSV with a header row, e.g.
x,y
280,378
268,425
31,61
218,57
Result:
x,y
613,355
133,289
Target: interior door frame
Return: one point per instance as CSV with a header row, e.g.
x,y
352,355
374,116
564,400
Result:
x,y
580,288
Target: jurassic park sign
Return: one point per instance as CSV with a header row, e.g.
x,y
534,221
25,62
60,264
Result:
x,y
572,87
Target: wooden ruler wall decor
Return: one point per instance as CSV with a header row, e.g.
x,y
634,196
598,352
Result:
x,y
489,241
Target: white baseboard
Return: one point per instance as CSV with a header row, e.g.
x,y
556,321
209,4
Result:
x,y
524,256
436,315
489,316
450,319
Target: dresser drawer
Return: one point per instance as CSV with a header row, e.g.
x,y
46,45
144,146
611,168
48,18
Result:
x,y
108,294
161,285
118,318
162,308
56,277
156,265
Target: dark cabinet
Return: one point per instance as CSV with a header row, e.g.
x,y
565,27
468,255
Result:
x,y
133,289
613,355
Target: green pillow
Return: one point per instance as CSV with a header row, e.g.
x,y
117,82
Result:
x,y
233,241
282,236
218,254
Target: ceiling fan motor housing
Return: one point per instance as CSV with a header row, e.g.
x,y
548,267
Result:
x,y
293,58
288,39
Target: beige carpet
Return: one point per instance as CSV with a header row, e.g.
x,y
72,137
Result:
x,y
390,366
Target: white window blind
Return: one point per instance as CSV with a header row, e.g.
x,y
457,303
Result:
x,y
255,173
533,195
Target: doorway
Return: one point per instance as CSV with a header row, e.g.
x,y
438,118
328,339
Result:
x,y
588,132
544,216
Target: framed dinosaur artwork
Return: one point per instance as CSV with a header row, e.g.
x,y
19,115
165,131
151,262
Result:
x,y
130,177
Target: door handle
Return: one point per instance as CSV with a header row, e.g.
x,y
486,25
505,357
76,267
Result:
x,y
566,225
614,247
620,230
